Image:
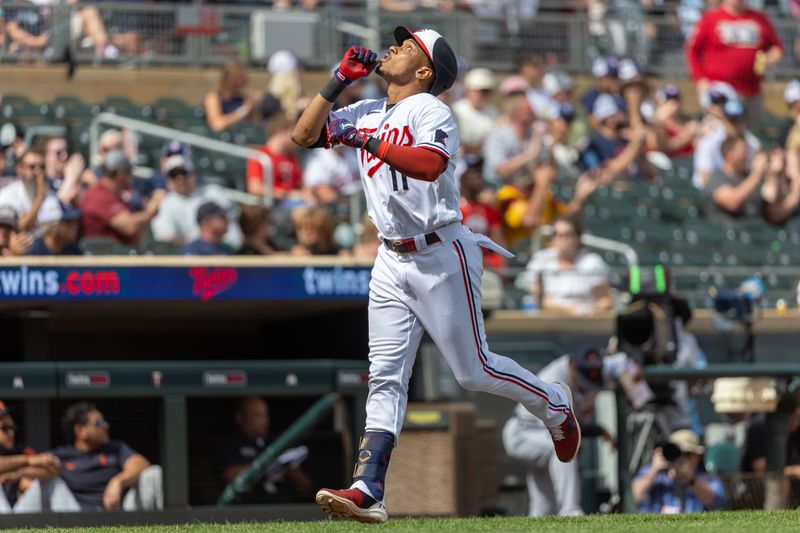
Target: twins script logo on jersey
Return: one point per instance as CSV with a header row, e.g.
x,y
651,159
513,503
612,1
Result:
x,y
390,135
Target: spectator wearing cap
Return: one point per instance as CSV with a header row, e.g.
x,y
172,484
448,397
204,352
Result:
x,y
737,45
558,85
231,103
479,216
790,133
285,83
287,175
567,278
254,222
30,197
675,481
554,488
606,81
635,91
708,155
12,145
475,113
176,221
557,140
514,85
19,466
104,210
213,222
680,135
608,152
60,236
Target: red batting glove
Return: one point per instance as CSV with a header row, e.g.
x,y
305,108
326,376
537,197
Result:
x,y
357,63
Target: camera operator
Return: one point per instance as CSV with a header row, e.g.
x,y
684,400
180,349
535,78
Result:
x,y
675,480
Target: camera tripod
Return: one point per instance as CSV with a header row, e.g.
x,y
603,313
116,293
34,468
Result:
x,y
646,429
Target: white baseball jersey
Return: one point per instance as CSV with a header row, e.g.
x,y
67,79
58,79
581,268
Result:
x,y
399,206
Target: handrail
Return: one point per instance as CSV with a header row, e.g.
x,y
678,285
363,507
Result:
x,y
191,138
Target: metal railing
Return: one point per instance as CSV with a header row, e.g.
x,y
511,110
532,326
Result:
x,y
562,32
192,139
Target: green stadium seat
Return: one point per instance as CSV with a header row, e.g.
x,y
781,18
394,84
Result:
x,y
175,111
97,245
119,105
162,248
722,458
16,107
69,108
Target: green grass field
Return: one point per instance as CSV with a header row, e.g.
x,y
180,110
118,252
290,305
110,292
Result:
x,y
724,521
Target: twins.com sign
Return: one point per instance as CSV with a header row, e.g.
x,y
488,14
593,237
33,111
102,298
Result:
x,y
180,283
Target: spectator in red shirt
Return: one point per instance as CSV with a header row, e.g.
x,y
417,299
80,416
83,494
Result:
x,y
481,217
734,44
287,175
105,213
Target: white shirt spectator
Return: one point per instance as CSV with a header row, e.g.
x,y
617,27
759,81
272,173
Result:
x,y
568,288
177,216
16,197
336,168
474,125
708,153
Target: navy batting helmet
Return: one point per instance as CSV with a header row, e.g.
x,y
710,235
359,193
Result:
x,y
443,59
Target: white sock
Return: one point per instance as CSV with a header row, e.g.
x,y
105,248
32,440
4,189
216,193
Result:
x,y
360,485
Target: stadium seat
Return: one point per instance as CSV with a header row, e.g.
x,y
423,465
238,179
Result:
x,y
17,107
722,458
68,108
97,245
175,111
119,105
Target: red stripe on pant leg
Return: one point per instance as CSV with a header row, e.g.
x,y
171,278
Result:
x,y
475,336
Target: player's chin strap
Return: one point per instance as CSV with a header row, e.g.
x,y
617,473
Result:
x,y
373,461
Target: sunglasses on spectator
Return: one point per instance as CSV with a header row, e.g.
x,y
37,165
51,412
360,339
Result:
x,y
34,166
99,423
8,428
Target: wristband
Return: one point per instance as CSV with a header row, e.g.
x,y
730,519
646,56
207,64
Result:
x,y
374,146
333,89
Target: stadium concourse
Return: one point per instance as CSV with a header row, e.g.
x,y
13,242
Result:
x,y
161,235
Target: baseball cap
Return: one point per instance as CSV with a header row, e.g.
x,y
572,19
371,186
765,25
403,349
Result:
x,y
628,70
443,59
589,365
688,441
8,134
668,92
791,93
605,66
116,160
718,93
480,79
176,162
8,217
209,209
566,111
556,82
65,213
282,61
176,147
605,106
514,85
733,109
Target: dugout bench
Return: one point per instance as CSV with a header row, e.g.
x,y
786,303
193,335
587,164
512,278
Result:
x,y
170,384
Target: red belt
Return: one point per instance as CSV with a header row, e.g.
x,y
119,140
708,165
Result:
x,y
403,246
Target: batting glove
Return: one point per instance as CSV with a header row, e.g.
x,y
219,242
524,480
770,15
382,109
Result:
x,y
343,132
357,63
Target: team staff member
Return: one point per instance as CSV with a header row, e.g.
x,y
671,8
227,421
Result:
x,y
427,276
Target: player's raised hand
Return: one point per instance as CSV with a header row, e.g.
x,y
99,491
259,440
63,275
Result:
x,y
357,63
343,132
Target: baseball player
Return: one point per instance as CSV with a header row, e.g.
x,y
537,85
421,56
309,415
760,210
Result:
x,y
427,275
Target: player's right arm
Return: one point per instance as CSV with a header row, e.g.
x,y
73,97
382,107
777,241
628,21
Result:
x,y
357,63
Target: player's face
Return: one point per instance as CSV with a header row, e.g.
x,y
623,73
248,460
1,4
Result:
x,y
404,62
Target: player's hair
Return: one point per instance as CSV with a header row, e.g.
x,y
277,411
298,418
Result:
x,y
231,72
244,400
729,143
251,218
76,414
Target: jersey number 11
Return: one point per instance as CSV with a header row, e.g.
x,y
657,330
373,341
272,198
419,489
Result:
x,y
394,180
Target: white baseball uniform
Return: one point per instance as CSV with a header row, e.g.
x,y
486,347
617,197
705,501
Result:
x,y
436,288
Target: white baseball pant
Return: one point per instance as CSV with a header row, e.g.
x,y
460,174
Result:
x,y
437,289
